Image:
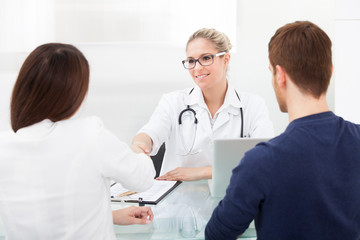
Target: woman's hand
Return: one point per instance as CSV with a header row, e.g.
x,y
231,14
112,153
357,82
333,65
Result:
x,y
133,215
187,174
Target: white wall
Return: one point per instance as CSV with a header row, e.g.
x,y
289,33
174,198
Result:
x,y
347,59
127,79
134,48
249,65
10,63
25,23
257,21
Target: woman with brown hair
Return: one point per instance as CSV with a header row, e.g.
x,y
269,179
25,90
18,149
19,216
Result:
x,y
54,169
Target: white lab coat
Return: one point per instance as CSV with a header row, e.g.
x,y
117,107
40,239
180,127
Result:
x,y
163,125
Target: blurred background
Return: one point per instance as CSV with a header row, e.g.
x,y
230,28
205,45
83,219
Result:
x,y
135,48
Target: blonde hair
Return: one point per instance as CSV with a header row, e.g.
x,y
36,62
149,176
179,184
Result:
x,y
220,40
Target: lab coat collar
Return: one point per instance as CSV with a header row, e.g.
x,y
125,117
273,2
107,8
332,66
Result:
x,y
231,106
231,98
196,97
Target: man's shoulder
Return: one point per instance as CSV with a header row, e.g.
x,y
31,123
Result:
x,y
353,127
263,152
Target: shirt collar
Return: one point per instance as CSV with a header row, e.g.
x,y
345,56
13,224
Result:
x,y
40,129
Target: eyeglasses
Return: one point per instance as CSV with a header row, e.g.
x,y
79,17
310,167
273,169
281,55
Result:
x,y
205,60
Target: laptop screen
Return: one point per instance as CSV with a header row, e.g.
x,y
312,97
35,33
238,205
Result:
x,y
227,155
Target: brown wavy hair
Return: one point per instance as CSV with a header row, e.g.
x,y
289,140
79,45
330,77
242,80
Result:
x,y
52,84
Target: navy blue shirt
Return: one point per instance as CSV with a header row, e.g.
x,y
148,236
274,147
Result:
x,y
303,184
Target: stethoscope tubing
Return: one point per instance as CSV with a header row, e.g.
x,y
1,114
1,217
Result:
x,y
185,110
242,118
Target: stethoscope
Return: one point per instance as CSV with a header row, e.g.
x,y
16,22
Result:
x,y
192,111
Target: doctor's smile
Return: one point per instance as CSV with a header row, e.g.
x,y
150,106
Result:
x,y
200,77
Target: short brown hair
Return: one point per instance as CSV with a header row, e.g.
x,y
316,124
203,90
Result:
x,y
304,51
52,84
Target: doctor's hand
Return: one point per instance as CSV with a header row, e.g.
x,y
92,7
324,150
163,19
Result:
x,y
133,215
140,147
142,143
187,174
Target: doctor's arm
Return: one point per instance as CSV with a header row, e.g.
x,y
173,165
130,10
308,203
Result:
x,y
142,143
156,131
187,174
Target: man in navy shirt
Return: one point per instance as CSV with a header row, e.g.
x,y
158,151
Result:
x,y
305,183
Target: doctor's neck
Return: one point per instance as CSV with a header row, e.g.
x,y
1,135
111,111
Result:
x,y
214,97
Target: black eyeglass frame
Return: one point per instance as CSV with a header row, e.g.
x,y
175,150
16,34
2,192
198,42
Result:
x,y
198,60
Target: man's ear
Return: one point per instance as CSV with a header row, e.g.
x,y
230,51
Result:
x,y
280,76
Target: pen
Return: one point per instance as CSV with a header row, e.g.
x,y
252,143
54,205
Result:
x,y
128,193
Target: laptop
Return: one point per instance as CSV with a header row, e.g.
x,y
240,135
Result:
x,y
227,155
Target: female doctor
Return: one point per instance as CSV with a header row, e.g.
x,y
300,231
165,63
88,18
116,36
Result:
x,y
189,120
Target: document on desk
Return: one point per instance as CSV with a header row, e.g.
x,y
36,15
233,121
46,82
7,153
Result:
x,y
152,196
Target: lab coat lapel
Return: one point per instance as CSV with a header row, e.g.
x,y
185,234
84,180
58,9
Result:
x,y
230,107
224,117
204,121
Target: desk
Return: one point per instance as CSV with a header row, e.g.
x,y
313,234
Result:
x,y
183,214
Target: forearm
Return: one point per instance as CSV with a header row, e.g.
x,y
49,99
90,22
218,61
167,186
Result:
x,y
216,229
205,173
187,174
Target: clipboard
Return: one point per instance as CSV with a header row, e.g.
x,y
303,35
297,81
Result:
x,y
153,196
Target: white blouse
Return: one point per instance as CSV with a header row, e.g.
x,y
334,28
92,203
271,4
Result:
x,y
54,179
